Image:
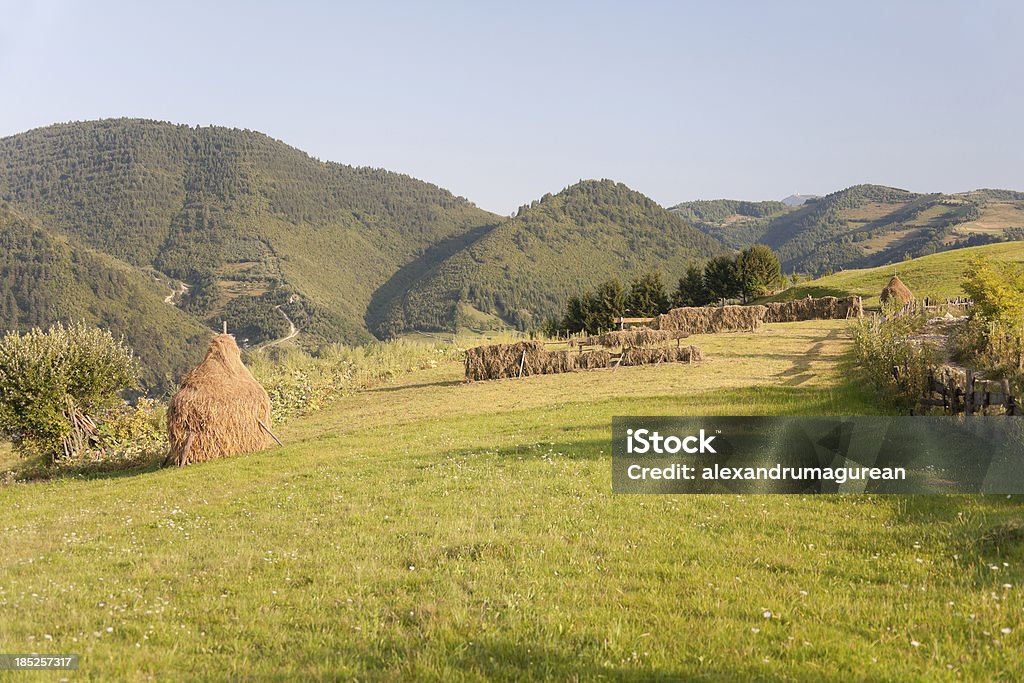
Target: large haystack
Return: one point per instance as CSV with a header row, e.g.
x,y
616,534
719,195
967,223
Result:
x,y
708,320
896,292
219,408
824,308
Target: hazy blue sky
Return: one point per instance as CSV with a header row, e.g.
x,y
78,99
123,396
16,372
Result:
x,y
502,102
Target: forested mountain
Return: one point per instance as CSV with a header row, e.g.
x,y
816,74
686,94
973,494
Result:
x,y
104,220
525,268
247,222
862,226
45,278
737,224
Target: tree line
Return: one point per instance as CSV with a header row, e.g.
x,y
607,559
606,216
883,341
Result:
x,y
751,273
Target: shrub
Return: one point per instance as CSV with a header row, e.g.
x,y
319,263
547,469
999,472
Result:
x,y
300,383
893,363
995,337
52,383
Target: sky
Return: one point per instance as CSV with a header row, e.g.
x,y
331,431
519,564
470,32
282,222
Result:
x,y
503,102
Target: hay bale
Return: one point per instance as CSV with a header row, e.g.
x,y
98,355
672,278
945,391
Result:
x,y
824,308
591,360
500,361
639,336
668,354
709,320
218,409
896,292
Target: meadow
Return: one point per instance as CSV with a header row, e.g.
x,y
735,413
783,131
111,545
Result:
x,y
426,528
937,275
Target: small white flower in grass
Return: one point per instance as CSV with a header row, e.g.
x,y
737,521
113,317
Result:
x,y
914,643
412,567
766,614
1007,585
755,630
804,593
1006,630
110,629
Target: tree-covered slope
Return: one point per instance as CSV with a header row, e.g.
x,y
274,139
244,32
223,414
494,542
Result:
x,y
737,224
526,267
862,226
47,278
247,221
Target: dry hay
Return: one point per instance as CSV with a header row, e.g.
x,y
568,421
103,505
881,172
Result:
x,y
218,409
824,308
668,354
708,319
639,336
896,292
521,359
591,360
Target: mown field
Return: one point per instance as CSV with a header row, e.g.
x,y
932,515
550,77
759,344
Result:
x,y
938,275
432,529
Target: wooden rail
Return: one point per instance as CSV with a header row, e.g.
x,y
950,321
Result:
x,y
968,396
622,322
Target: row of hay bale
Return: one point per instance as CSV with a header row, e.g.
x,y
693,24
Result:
x,y
668,354
823,308
711,320
525,358
637,336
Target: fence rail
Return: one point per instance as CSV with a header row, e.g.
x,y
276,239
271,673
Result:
x,y
964,394
926,305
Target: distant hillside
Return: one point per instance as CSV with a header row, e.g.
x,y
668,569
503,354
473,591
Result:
x,y
938,275
525,268
864,225
737,224
46,278
246,221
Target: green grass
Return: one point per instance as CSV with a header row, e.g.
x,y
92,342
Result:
x,y
938,275
440,530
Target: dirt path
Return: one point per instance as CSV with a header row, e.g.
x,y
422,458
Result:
x,y
292,330
175,296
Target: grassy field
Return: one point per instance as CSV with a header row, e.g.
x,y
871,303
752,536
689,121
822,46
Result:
x,y
938,275
439,530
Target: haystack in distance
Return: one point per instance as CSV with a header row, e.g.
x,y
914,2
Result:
x,y
896,292
219,410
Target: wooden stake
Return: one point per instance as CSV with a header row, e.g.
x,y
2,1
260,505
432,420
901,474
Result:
x,y
267,430
225,326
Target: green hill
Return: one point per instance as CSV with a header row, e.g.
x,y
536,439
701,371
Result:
x,y
45,278
525,268
938,275
246,221
737,224
862,226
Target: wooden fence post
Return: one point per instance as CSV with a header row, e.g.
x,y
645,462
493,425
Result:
x,y
969,398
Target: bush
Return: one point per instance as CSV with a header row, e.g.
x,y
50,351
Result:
x,y
53,383
895,365
299,383
994,339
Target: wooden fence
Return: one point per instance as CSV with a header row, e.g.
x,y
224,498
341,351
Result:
x,y
964,394
956,306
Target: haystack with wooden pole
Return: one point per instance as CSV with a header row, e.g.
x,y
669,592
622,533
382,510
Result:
x,y
219,410
896,292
